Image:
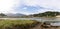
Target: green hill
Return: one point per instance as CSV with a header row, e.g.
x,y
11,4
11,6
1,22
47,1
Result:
x,y
47,14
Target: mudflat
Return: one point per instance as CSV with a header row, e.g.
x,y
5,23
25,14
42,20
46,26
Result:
x,y
39,27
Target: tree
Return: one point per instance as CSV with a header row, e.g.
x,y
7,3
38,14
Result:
x,y
2,15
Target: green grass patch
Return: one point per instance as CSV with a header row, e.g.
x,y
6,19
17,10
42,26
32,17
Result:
x,y
17,24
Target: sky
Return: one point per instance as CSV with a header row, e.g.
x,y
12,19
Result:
x,y
29,6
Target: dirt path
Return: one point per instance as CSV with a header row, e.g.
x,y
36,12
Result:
x,y
37,27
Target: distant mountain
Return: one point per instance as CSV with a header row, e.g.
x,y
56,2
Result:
x,y
17,14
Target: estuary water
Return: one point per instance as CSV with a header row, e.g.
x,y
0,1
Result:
x,y
37,19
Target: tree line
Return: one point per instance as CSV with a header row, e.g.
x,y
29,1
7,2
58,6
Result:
x,y
47,14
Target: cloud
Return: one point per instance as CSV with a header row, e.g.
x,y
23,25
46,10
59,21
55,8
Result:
x,y
6,6
28,9
44,3
25,9
47,5
29,6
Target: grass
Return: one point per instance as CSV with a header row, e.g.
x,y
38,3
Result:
x,y
17,24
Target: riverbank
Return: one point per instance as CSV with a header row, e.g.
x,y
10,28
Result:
x,y
40,27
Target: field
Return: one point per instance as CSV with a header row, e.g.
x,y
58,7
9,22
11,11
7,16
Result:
x,y
17,24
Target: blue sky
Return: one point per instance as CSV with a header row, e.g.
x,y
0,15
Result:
x,y
29,6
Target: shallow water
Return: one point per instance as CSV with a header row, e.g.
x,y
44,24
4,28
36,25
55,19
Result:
x,y
37,19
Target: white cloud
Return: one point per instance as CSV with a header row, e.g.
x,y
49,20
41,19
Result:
x,y
6,6
55,4
49,5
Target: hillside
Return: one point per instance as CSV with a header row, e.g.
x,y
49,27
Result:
x,y
46,14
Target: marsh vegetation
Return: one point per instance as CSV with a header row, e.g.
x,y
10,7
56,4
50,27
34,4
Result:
x,y
17,24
